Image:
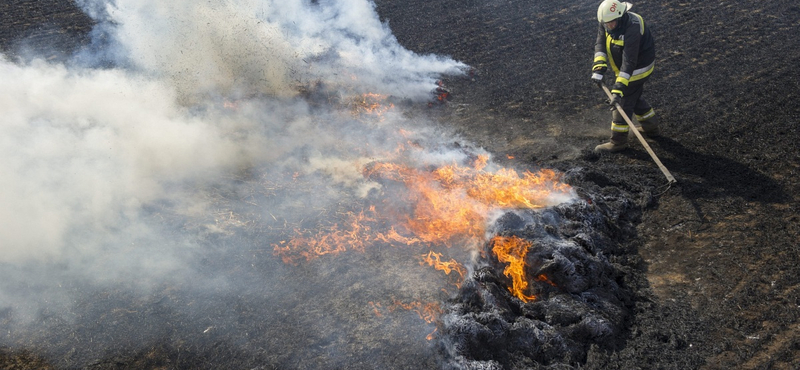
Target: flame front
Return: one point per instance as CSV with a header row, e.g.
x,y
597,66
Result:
x,y
443,206
512,250
429,206
451,203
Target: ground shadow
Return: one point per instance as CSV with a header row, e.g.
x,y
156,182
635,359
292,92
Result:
x,y
703,176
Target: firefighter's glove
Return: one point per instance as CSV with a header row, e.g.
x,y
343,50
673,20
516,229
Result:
x,y
615,99
616,94
618,88
598,70
597,78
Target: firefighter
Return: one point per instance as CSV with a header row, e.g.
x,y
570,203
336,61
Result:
x,y
625,44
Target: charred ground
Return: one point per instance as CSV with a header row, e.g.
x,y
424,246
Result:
x,y
719,250
713,260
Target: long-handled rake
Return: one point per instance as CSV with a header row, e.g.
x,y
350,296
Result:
x,y
664,170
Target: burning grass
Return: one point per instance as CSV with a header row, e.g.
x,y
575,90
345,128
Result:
x,y
431,207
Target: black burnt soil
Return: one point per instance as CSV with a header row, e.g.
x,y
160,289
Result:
x,y
718,250
710,266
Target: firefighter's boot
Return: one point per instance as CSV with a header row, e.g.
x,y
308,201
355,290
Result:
x,y
650,127
618,142
649,123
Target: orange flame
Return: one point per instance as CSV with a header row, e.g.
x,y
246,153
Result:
x,y
431,335
438,216
435,206
356,235
446,205
452,202
512,250
371,103
376,306
545,279
427,311
434,259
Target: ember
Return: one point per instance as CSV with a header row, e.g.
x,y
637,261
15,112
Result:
x,y
441,94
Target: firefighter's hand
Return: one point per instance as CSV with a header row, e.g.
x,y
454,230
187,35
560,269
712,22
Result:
x,y
615,99
597,78
598,71
616,94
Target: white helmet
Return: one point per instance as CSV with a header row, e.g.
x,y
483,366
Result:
x,y
610,10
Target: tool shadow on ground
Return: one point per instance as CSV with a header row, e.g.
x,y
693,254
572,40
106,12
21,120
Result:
x,y
708,176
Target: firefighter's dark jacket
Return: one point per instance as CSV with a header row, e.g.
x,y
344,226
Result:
x,y
629,49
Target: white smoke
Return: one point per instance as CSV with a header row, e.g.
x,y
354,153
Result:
x,y
84,147
268,47
186,93
118,165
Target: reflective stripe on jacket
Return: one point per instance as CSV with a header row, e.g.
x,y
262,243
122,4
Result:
x,y
630,47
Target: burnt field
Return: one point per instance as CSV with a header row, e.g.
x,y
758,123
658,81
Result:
x,y
631,273
719,250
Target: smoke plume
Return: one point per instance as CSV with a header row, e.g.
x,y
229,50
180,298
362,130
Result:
x,y
149,181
